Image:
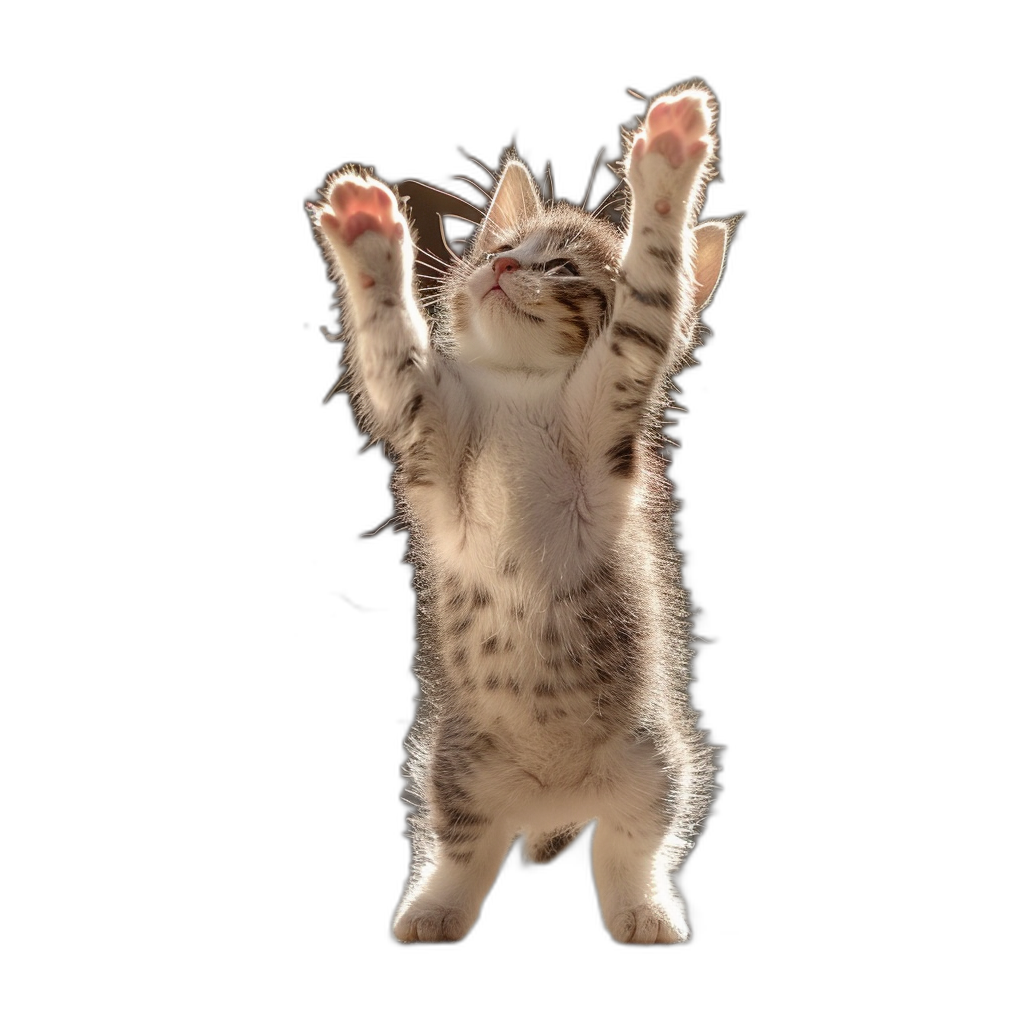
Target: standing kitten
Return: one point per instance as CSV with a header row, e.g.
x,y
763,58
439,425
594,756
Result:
x,y
526,434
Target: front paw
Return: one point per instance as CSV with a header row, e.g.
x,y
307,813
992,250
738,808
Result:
x,y
361,205
365,229
678,127
670,149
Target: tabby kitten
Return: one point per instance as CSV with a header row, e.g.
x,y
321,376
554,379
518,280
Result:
x,y
525,425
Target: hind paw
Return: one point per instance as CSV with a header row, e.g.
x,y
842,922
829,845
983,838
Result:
x,y
432,924
647,924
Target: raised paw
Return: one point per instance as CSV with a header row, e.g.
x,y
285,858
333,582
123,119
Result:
x,y
677,127
361,205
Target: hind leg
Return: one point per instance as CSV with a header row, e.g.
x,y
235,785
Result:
x,y
635,852
639,902
459,841
443,900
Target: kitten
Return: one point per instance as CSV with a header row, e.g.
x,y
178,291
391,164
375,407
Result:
x,y
526,430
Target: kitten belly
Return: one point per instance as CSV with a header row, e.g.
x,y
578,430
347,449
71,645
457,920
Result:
x,y
560,715
543,666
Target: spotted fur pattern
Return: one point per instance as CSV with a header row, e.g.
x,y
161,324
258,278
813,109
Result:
x,y
525,426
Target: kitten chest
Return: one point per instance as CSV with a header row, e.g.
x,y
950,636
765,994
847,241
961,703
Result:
x,y
511,490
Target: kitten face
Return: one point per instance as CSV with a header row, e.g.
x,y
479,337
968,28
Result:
x,y
531,295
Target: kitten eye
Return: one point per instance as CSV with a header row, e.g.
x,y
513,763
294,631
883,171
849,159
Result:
x,y
561,268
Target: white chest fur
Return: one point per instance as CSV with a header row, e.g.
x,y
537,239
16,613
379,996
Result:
x,y
518,483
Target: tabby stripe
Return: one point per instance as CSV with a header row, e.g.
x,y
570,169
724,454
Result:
x,y
635,333
457,836
659,299
621,456
414,406
380,318
670,257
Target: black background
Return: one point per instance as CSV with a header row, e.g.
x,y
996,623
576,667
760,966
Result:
x,y
331,641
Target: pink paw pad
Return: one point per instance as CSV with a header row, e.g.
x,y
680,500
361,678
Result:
x,y
676,127
361,206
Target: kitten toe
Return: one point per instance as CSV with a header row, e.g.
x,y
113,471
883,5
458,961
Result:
x,y
670,149
648,924
677,127
362,205
432,924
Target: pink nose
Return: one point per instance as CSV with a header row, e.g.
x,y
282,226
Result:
x,y
503,263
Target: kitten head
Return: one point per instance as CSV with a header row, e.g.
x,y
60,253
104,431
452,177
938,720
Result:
x,y
537,283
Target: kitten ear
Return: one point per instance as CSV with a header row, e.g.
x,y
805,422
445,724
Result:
x,y
712,240
514,200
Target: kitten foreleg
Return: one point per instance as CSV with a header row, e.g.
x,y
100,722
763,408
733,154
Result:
x,y
368,241
614,386
669,157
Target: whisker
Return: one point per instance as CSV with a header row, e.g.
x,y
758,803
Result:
x,y
485,192
616,199
549,179
444,239
493,175
593,176
432,260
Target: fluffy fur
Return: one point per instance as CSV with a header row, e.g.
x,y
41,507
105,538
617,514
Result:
x,y
525,424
